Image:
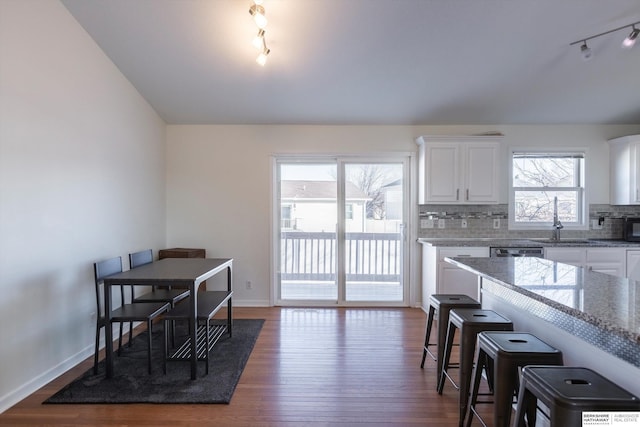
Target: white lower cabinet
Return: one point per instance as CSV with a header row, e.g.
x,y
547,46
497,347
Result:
x,y
572,256
633,264
602,260
438,276
607,260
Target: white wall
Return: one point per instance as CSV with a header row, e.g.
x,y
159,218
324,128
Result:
x,y
219,189
218,179
81,178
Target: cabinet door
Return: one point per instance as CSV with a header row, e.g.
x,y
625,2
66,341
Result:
x,y
429,273
572,256
606,260
442,173
454,280
481,173
633,265
624,169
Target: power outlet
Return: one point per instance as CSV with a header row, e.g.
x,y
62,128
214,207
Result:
x,y
249,285
441,223
496,223
426,223
463,223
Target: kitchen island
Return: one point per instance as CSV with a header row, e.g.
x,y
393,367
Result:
x,y
593,318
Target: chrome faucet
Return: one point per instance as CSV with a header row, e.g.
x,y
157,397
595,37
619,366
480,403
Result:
x,y
557,225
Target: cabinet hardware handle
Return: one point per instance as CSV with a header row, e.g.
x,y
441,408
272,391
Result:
x,y
467,194
457,194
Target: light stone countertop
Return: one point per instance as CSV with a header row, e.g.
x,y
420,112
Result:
x,y
524,243
607,307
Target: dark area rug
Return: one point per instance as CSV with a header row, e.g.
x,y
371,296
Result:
x,y
131,382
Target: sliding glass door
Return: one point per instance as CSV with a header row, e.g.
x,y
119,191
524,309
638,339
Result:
x,y
339,231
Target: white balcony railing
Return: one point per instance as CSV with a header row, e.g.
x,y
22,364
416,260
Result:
x,y
370,257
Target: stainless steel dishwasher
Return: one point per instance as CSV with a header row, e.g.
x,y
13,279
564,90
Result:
x,y
517,252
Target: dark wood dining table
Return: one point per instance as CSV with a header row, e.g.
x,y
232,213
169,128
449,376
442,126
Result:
x,y
174,272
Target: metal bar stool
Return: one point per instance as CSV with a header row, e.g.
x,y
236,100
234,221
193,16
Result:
x,y
506,352
470,322
442,304
567,392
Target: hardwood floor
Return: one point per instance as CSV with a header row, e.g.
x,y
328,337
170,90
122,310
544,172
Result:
x,y
310,366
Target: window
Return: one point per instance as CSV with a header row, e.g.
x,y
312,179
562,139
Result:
x,y
285,217
348,211
538,178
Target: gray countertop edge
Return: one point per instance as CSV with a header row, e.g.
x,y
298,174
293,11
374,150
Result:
x,y
593,320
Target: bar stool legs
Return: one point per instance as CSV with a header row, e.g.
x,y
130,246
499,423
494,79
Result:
x,y
470,322
442,304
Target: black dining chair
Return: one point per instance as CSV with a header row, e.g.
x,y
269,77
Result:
x,y
126,312
157,294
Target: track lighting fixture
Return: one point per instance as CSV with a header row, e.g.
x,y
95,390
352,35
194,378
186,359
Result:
x,y
257,11
258,41
628,42
586,51
262,57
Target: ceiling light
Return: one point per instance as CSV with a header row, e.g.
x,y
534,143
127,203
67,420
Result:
x,y
257,12
631,38
586,51
262,57
258,41
628,42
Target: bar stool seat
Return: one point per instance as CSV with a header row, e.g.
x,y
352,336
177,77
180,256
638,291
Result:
x,y
442,304
506,352
470,322
567,392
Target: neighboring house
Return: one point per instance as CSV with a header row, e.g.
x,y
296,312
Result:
x,y
311,206
393,200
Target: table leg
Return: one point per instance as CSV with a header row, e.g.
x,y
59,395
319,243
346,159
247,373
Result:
x,y
194,331
108,331
229,309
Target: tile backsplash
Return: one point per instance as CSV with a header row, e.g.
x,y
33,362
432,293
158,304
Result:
x,y
492,221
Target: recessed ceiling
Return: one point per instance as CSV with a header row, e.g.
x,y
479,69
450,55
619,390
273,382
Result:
x,y
429,62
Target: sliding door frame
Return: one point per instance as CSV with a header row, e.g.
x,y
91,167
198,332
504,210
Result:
x,y
408,237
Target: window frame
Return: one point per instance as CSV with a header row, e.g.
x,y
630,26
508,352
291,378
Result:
x,y
582,203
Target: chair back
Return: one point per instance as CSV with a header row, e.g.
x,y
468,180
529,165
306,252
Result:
x,y
137,259
101,270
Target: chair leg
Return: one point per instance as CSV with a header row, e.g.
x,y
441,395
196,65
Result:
x,y
206,354
119,339
166,345
149,337
451,331
130,333
97,349
475,386
427,335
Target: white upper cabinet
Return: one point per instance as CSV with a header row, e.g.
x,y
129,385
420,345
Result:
x,y
624,167
458,169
